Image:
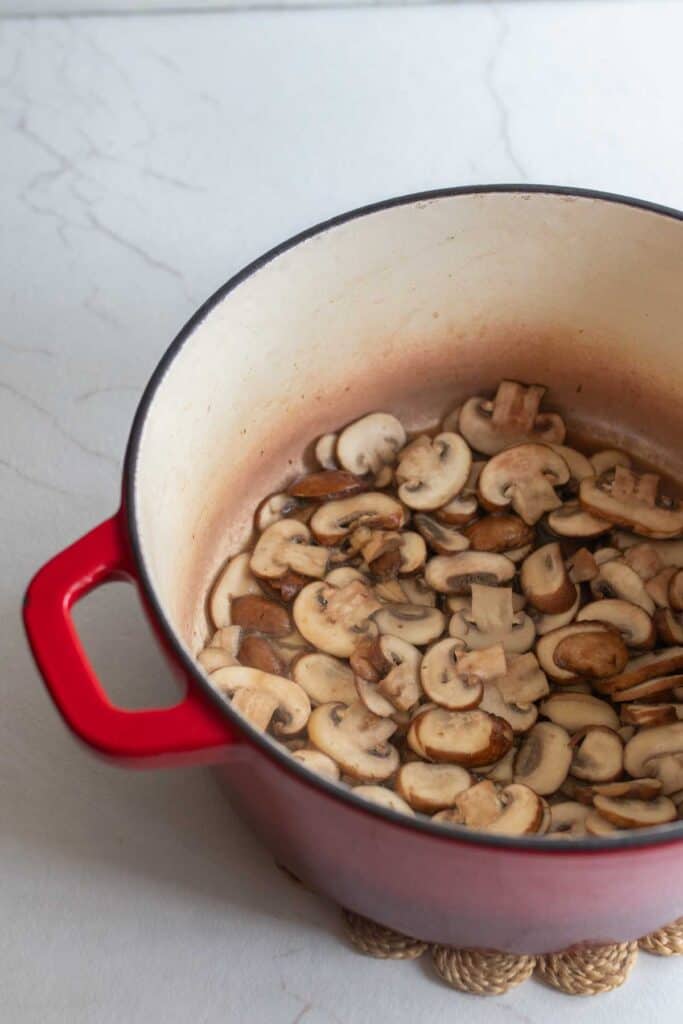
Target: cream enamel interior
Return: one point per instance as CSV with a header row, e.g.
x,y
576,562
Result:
x,y
409,308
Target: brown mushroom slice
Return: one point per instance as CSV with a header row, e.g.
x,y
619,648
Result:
x,y
669,626
235,580
391,591
257,652
373,700
646,715
650,744
400,684
334,520
318,762
461,509
479,805
592,655
598,754
491,620
668,770
384,798
255,612
547,645
525,477
469,738
675,591
582,566
570,520
656,687
549,623
518,555
577,711
290,647
450,685
285,545
431,471
520,716
325,679
273,508
568,819
630,813
545,581
418,624
619,580
499,533
257,706
293,705
658,586
644,560
670,551
355,739
524,681
417,591
633,623
543,759
521,813
336,619
626,732
500,770
326,451
637,789
455,574
327,484
579,466
631,499
596,825
431,787
412,738
212,658
440,538
513,416
370,443
646,666
603,555
388,553
608,458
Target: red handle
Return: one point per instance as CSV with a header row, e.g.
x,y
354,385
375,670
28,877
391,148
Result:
x,y
192,731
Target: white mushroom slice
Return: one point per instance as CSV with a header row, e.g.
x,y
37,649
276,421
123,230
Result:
x,y
355,739
417,592
568,818
451,420
658,586
257,706
417,623
318,762
491,619
285,545
334,520
598,754
228,638
212,658
548,644
577,711
656,687
235,580
582,566
647,666
651,744
523,681
545,580
549,623
458,511
579,465
500,770
634,624
669,551
401,684
668,770
336,619
344,575
631,499
637,789
455,680
289,647
293,708
370,443
412,738
384,798
391,591
522,812
272,509
326,451
325,679
596,825
669,626
520,716
675,590
431,471
431,787
518,555
636,813
644,560
512,416
608,459
388,552
646,715
373,700
543,760
469,738
618,580
604,555
440,538
570,520
455,574
499,533
479,805
525,477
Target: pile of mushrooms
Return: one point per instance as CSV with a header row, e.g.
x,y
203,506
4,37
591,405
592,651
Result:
x,y
480,624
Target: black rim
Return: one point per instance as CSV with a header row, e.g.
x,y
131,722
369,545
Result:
x,y
664,834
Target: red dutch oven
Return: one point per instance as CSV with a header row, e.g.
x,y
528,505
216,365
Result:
x,y
410,304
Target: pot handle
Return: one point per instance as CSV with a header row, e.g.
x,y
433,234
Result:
x,y
193,731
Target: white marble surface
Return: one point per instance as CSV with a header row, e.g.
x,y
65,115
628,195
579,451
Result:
x,y
143,161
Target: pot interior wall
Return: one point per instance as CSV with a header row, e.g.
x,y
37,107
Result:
x,y
409,308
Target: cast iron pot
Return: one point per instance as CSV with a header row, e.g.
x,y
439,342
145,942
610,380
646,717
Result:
x,y
410,304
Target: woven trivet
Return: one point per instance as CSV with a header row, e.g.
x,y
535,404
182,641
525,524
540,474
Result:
x,y
581,971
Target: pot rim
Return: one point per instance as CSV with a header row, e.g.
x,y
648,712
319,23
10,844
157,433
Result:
x,y
670,833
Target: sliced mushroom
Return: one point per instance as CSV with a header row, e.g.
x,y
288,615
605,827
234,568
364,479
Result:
x,y
412,738
650,744
235,580
327,484
668,770
669,626
637,789
257,706
440,538
290,647
257,652
633,623
669,551
273,508
416,591
598,754
252,611
543,760
431,471
318,762
384,798
577,711
523,681
631,499
212,658
644,560
391,591
370,443
469,738
336,618
399,681
522,812
656,687
571,520
582,566
499,533
629,813
446,684
355,739
326,451
545,580
500,770
608,458
460,510
227,637
325,679
334,520
431,787
592,655
455,574
618,580
517,555
450,421
491,619
658,586
388,553
646,715
549,623
597,652
675,591
417,623
525,477
512,416
568,818
293,705
647,666
579,465
285,545
596,825
479,805
520,716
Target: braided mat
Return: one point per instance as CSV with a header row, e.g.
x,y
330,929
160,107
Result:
x,y
583,970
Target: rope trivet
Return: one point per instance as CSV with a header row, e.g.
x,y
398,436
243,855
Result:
x,y
481,972
383,943
589,970
667,941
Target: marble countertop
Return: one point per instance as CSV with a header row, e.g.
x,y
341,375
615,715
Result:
x,y
144,160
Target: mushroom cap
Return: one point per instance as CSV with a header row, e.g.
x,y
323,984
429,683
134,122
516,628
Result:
x,y
490,619
649,744
499,532
325,679
512,416
592,655
335,619
401,683
431,787
255,612
619,580
630,499
577,711
596,825
455,574
548,644
645,715
355,739
524,476
631,813
455,680
571,520
649,688
326,451
235,580
334,520
326,484
633,623
285,545
257,706
418,624
432,471
549,623
598,754
545,580
652,665
370,443
442,539
318,762
543,759
274,507
293,706
384,798
468,738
